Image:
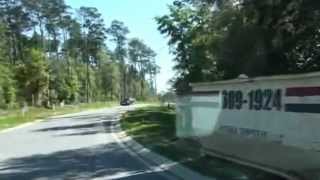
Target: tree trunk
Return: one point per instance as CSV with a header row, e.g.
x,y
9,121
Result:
x,y
141,88
155,84
10,42
55,45
124,83
88,79
41,33
19,46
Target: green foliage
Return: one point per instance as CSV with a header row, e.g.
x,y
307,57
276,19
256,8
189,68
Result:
x,y
118,32
7,87
49,56
221,39
167,97
142,60
64,84
185,28
110,78
33,77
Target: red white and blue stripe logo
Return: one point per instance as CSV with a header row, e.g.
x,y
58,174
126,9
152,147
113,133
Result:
x,y
303,99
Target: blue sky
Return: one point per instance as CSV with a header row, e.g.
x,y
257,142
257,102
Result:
x,y
138,15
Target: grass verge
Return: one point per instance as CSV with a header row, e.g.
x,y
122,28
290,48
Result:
x,y
12,118
154,127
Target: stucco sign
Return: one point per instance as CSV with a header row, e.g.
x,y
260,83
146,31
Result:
x,y
278,117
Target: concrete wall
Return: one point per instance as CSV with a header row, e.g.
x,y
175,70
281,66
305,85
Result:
x,y
276,119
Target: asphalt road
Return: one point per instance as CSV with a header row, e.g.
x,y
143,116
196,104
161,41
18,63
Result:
x,y
78,146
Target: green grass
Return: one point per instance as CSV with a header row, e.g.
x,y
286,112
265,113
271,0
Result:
x,y
12,118
154,127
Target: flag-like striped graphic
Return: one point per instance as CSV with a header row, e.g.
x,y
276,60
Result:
x,y
303,99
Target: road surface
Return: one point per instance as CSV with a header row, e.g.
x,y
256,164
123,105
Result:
x,y
78,146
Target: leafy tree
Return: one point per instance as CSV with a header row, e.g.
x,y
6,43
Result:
x,y
184,26
49,55
216,39
110,76
93,35
167,97
142,58
64,85
36,13
54,11
33,77
7,87
16,21
73,44
118,31
7,82
153,69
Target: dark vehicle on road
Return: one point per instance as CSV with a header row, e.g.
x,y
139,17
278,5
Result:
x,y
127,101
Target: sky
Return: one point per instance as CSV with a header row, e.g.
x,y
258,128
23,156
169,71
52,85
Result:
x,y
138,16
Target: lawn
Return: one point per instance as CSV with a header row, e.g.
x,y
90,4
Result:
x,y
154,127
12,118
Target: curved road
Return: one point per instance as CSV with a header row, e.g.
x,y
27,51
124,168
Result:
x,y
78,146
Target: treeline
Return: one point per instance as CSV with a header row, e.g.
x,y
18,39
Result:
x,y
221,39
50,53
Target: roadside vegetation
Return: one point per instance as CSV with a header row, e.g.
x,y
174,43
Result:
x,y
12,118
52,54
220,39
154,128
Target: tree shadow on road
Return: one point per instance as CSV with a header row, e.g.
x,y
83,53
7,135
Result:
x,y
108,161
83,125
86,117
75,127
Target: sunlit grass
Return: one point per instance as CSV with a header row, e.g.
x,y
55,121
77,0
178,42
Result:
x,y
154,127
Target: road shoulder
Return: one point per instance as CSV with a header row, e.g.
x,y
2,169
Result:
x,y
155,161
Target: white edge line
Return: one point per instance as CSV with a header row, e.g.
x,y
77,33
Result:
x,y
135,155
21,126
